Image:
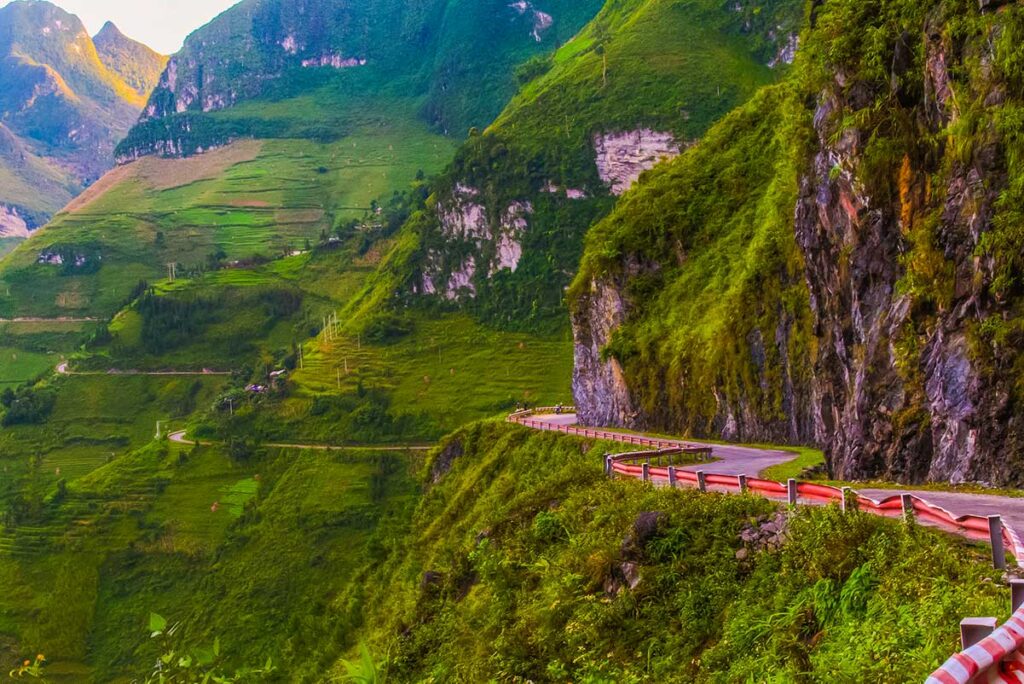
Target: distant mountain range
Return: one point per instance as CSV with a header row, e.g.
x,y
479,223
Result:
x,y
66,99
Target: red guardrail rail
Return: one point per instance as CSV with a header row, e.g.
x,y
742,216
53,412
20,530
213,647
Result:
x,y
994,658
632,464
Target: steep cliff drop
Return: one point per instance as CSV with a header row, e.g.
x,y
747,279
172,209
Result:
x,y
892,200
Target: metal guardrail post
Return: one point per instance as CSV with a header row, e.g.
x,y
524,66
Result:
x,y
845,504
647,472
743,483
907,502
1016,594
791,491
608,465
672,477
995,533
702,483
973,630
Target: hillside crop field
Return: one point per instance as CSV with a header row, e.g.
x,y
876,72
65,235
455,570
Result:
x,y
251,199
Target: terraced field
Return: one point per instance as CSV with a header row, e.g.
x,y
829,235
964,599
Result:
x,y
18,366
450,368
251,198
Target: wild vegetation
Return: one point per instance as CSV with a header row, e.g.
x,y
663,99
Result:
x,y
525,562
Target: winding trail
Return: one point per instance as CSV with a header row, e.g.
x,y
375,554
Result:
x,y
58,319
62,369
179,437
737,460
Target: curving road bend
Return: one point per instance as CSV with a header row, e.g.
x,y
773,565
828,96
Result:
x,y
737,460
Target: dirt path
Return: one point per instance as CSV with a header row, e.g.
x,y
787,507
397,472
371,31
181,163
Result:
x,y
58,319
179,438
62,369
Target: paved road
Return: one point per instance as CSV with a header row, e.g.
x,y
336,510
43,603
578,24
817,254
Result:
x,y
732,460
736,460
180,438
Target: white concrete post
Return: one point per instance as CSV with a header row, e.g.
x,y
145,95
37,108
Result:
x,y
845,504
672,477
995,533
702,483
743,484
647,472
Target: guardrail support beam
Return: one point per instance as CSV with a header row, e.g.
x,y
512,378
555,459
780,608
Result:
x,y
702,482
791,491
647,472
672,477
995,533
973,630
743,483
908,505
1016,594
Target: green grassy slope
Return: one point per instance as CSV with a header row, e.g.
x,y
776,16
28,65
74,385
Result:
x,y
186,532
516,566
250,199
644,64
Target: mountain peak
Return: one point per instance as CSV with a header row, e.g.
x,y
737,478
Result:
x,y
137,64
109,32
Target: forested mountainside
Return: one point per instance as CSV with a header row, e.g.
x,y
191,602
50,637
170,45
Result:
x,y
502,232
836,262
65,102
454,56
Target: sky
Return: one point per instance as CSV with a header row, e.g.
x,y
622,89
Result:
x,y
160,24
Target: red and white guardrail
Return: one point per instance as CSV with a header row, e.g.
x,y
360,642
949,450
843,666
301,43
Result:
x,y
991,656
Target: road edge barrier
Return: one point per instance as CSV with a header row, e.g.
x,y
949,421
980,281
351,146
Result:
x,y
990,654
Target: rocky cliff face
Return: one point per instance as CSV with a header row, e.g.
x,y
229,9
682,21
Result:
x,y
902,228
903,391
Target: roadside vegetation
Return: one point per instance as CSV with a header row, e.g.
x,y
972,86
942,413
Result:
x,y
525,561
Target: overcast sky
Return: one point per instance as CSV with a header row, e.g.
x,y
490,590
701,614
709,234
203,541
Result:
x,y
160,24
